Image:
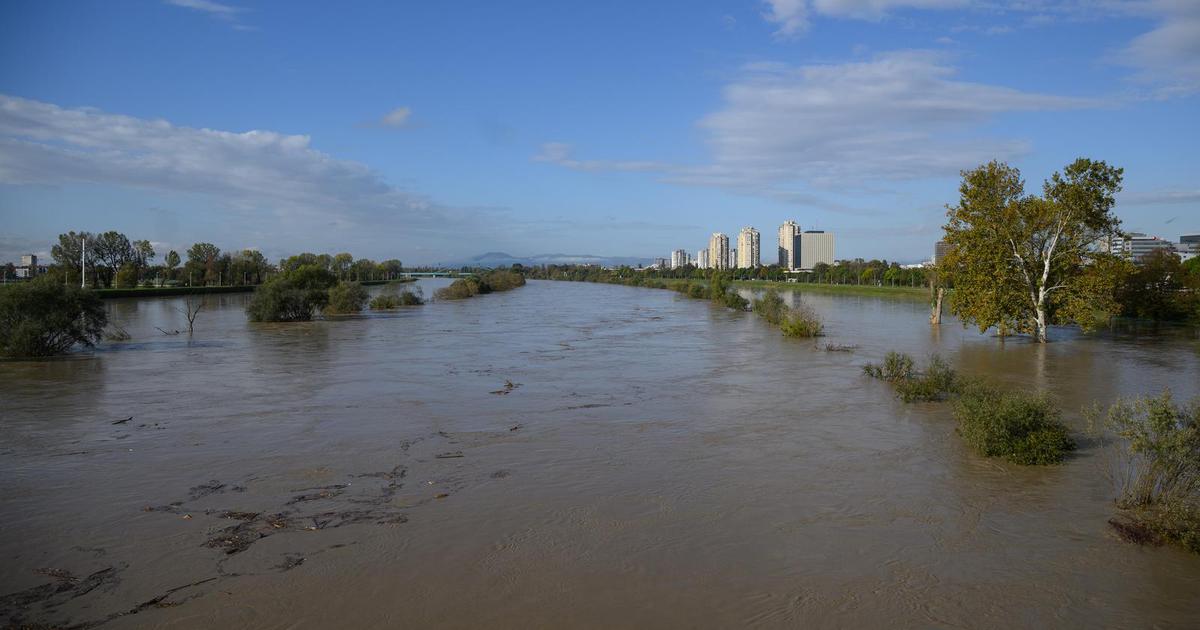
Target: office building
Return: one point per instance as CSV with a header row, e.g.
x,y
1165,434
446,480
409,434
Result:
x,y
718,251
702,259
748,248
1135,246
789,234
29,267
679,258
816,246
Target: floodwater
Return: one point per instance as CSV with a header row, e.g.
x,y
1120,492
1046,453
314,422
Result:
x,y
561,455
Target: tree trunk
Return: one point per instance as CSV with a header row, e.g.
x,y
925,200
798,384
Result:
x,y
1041,317
935,311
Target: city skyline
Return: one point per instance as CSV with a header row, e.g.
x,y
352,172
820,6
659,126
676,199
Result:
x,y
406,130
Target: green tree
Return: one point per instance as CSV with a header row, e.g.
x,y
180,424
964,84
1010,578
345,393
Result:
x,y
292,295
203,263
1017,261
45,318
67,254
346,298
341,265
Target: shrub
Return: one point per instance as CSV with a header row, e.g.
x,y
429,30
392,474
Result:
x,y
937,381
801,321
392,298
346,298
697,291
44,318
1154,463
501,280
291,296
770,307
1021,427
460,289
735,301
896,366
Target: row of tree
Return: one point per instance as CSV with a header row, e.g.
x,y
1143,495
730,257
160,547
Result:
x,y
112,260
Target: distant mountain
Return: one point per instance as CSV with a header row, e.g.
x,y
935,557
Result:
x,y
502,259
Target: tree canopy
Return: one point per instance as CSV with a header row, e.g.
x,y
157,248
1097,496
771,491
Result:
x,y
1022,262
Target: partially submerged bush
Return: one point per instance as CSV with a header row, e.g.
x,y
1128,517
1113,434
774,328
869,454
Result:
x,y
291,296
346,298
501,280
392,297
801,321
937,381
1021,427
896,366
770,307
1154,463
44,318
460,289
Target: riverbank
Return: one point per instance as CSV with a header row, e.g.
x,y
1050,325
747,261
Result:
x,y
175,291
837,289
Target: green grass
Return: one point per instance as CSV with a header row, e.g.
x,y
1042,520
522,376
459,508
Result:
x,y
841,289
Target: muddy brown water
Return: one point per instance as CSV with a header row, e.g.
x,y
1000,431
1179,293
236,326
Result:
x,y
562,455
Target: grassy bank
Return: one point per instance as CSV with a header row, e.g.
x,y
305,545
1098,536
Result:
x,y
841,289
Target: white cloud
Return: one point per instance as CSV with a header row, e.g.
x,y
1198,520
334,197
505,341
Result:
x,y
260,176
793,16
225,12
902,115
397,117
1168,57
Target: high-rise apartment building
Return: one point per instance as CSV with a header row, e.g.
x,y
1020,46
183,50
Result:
x,y
679,258
789,234
702,259
732,258
718,251
816,246
940,249
748,248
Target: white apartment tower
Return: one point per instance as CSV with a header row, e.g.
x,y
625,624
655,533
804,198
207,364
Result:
x,y
718,251
816,246
788,241
702,259
733,259
748,248
679,258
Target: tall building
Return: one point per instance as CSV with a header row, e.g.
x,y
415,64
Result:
x,y
718,251
679,258
788,233
733,259
702,259
816,246
1135,246
940,249
747,248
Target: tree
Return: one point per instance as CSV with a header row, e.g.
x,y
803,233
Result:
x,y
346,298
341,265
1154,290
113,250
126,277
67,253
172,261
1018,261
291,296
44,318
203,261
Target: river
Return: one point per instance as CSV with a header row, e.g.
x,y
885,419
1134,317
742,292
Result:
x,y
561,455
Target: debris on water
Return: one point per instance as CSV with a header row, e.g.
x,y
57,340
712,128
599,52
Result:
x,y
440,495
500,474
123,421
205,489
509,386
515,427
450,455
838,347
187,516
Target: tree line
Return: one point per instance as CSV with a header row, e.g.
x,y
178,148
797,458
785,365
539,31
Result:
x,y
114,261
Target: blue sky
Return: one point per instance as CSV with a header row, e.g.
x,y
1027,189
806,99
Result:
x,y
435,131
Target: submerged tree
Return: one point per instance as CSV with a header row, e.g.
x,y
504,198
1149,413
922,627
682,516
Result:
x,y
1023,262
44,318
